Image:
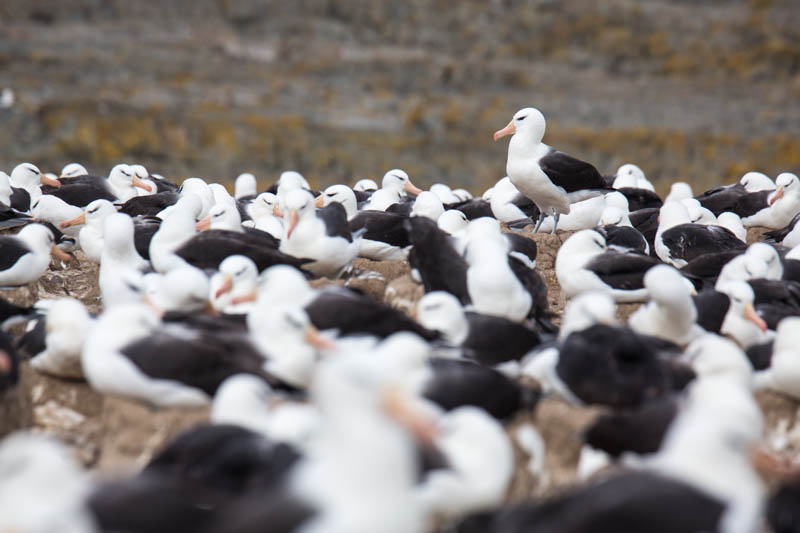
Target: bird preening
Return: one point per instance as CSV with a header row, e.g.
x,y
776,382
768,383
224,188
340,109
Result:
x,y
382,357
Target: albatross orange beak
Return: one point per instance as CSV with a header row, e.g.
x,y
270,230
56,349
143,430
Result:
x,y
773,465
142,185
508,130
412,189
294,218
227,285
60,254
250,297
751,315
149,303
77,221
277,211
204,223
777,195
315,338
320,201
400,407
49,181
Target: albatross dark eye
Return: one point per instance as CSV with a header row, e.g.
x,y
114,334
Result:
x,y
133,287
293,322
520,119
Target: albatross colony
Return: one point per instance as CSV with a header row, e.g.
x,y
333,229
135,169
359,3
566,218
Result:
x,y
384,358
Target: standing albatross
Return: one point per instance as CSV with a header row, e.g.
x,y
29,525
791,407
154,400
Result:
x,y
551,179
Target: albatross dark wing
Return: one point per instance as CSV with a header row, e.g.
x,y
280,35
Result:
x,y
457,382
353,313
712,306
149,205
200,361
208,249
11,249
437,261
569,173
622,270
381,226
633,501
82,190
335,218
689,241
20,199
526,205
493,339
11,218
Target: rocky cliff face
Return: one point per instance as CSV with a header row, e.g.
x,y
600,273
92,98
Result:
x,y
699,90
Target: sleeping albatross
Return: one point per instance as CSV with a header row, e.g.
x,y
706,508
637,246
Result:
x,y
551,179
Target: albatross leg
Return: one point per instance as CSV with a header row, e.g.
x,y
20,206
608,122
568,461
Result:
x,y
556,216
539,222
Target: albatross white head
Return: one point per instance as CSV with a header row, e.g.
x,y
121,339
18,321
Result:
x,y
342,194
245,185
298,206
769,255
238,276
398,180
628,175
73,170
444,193
586,310
124,181
41,240
222,216
441,311
281,285
93,215
28,176
176,229
288,339
181,289
670,314
742,323
528,122
365,184
453,222
757,181
787,184
428,205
